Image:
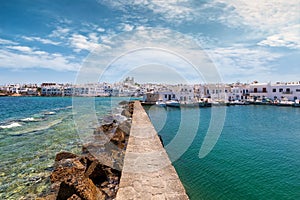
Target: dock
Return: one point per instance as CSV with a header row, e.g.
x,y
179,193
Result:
x,y
147,171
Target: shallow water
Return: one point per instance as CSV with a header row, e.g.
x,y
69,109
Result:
x,y
256,156
34,129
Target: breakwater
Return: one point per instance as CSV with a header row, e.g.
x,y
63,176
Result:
x,y
147,171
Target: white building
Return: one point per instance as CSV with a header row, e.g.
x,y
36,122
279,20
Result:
x,y
290,91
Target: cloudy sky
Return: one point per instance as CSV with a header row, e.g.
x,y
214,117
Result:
x,y
46,40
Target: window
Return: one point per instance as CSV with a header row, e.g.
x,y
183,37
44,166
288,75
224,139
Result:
x,y
173,96
297,90
288,90
255,90
274,90
280,90
166,96
264,90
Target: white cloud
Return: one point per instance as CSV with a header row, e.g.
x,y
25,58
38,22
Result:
x,y
128,27
272,21
242,62
28,58
24,49
262,14
101,29
172,10
7,42
288,37
81,42
93,37
275,20
42,40
131,50
60,32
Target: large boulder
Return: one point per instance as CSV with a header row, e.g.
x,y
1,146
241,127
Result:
x,y
64,155
80,186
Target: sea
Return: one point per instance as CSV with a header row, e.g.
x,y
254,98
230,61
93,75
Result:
x,y
256,156
34,129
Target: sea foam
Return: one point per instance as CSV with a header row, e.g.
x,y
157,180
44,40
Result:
x,y
12,125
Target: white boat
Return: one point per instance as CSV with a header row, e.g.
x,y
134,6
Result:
x,y
160,103
237,102
173,103
297,103
286,103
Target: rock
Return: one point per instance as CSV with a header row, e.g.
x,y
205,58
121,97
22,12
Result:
x,y
66,169
110,193
106,128
64,155
82,187
125,127
119,138
70,181
109,119
123,103
96,173
126,113
74,197
65,191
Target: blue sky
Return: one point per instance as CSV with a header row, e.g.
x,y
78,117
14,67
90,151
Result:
x,y
43,41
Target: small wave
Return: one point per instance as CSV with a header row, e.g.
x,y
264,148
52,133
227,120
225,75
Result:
x,y
120,118
30,119
12,125
50,113
36,129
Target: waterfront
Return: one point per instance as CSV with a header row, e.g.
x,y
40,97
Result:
x,y
256,156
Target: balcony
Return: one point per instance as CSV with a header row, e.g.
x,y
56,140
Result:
x,y
258,92
289,92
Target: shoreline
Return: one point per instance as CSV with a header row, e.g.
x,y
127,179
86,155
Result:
x,y
96,172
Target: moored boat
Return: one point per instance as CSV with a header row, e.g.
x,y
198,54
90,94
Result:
x,y
172,103
297,103
286,102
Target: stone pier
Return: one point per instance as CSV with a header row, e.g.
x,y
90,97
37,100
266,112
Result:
x,y
147,171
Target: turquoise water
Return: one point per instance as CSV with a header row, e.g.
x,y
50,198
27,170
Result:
x,y
33,130
256,157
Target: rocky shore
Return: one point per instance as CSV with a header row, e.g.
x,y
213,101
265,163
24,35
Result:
x,y
95,174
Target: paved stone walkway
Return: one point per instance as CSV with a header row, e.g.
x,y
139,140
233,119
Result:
x,y
147,171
